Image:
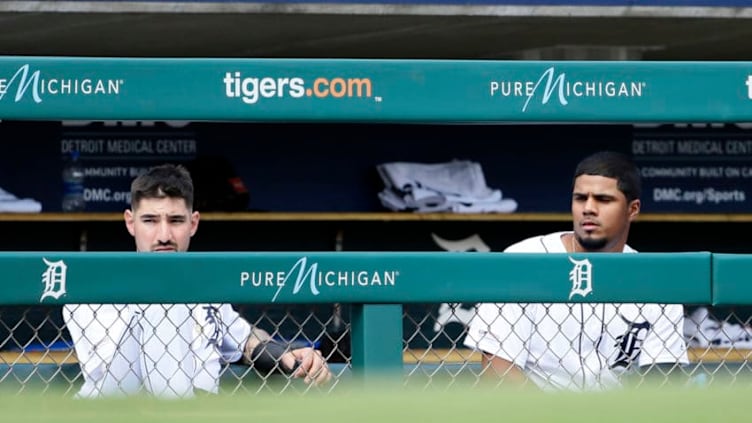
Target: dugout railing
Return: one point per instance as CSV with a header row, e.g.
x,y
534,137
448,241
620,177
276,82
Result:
x,y
374,287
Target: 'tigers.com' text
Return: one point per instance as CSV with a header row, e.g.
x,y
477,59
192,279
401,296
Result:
x,y
252,89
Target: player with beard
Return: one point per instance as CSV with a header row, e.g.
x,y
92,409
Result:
x,y
172,350
582,346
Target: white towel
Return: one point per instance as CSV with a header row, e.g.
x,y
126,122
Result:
x,y
458,186
434,208
458,177
5,195
9,203
419,198
391,200
25,205
493,197
506,205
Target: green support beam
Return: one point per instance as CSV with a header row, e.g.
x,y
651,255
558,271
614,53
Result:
x,y
376,342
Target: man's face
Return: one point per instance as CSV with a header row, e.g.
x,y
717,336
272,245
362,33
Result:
x,y
161,224
601,214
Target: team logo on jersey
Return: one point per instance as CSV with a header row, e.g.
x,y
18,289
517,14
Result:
x,y
54,279
629,344
212,325
581,276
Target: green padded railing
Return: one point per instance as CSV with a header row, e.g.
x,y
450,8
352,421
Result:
x,y
376,284
732,279
349,277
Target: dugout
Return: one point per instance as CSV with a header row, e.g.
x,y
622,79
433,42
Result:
x,y
299,210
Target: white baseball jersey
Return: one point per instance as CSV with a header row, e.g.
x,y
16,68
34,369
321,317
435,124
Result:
x,y
579,346
162,349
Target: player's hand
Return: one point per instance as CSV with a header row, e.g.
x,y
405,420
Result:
x,y
310,365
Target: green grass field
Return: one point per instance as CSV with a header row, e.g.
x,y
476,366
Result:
x,y
396,404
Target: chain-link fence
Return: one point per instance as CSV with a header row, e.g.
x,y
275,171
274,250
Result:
x,y
37,348
64,347
717,342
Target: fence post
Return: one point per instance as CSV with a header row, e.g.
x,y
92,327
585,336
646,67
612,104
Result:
x,y
376,341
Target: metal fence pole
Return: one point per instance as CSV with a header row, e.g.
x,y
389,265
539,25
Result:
x,y
376,341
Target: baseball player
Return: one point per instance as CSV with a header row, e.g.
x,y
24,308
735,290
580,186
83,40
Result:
x,y
582,346
171,350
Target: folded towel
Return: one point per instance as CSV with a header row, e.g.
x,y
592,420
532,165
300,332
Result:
x,y
506,205
25,205
9,203
493,197
392,201
418,198
458,177
457,186
5,195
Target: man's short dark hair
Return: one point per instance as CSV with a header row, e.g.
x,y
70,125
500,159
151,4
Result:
x,y
163,181
614,165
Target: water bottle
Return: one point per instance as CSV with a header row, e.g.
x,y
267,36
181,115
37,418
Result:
x,y
73,184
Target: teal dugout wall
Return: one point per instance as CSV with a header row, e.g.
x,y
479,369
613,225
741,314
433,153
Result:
x,y
320,90
357,90
375,284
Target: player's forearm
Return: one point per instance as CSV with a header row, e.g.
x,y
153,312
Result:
x,y
496,369
257,337
266,354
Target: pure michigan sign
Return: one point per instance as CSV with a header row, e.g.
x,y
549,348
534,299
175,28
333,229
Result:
x,y
353,277
373,90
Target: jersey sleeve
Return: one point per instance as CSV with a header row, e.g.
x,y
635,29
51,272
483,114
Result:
x,y
504,329
94,330
665,342
501,329
237,331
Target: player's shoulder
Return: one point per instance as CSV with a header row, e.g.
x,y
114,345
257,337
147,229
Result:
x,y
549,243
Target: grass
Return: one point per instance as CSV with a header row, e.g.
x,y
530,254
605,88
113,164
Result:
x,y
394,404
